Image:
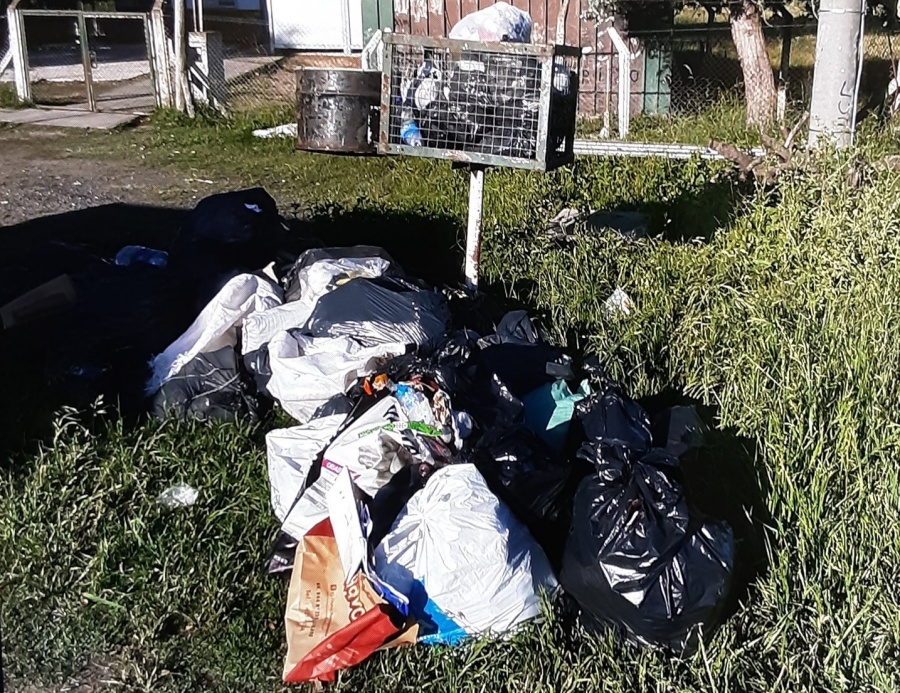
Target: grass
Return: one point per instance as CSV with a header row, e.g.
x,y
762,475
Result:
x,y
8,98
778,308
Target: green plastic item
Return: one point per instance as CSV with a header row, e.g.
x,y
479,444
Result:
x,y
549,410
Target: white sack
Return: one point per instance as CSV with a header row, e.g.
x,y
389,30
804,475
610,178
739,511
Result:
x,y
375,446
479,568
499,22
308,371
216,326
291,453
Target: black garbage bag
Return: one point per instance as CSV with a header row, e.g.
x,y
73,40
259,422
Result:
x,y
449,365
385,310
224,235
523,368
610,415
515,327
533,480
638,559
209,387
519,358
291,279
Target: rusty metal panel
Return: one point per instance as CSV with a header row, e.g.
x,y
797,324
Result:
x,y
418,17
456,47
588,83
636,77
538,12
452,14
436,18
401,16
573,23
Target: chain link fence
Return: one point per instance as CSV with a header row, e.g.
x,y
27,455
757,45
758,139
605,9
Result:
x,y
689,72
95,58
259,82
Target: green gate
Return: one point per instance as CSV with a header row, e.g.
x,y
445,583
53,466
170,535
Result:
x,y
376,14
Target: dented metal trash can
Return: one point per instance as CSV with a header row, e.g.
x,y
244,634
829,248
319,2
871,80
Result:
x,y
337,110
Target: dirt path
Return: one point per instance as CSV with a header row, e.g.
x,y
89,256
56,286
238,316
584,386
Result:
x,y
49,171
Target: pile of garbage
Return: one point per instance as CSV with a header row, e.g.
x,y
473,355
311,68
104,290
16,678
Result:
x,y
446,471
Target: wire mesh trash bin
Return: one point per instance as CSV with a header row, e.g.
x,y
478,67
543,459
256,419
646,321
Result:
x,y
489,104
479,104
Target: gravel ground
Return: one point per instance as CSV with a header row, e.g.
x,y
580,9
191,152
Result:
x,y
39,175
48,171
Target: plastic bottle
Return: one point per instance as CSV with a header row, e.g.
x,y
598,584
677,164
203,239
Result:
x,y
415,404
139,255
410,134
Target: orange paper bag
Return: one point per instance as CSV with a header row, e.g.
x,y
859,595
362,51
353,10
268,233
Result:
x,y
332,623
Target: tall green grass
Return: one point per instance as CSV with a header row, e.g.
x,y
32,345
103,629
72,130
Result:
x,y
779,307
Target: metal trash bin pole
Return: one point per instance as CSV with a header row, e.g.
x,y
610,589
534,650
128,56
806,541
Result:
x,y
473,228
338,112
529,125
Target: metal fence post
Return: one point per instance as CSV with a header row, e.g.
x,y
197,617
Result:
x,y
19,53
86,61
624,54
837,71
345,16
473,229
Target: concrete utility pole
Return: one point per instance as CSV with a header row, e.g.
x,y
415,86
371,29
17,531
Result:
x,y
839,56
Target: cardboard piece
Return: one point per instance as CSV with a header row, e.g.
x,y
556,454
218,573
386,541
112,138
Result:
x,y
44,301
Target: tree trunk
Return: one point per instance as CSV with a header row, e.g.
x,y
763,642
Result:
x,y
759,83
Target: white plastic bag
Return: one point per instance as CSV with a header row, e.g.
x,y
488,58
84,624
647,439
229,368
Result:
x,y
178,496
467,565
314,281
291,453
308,371
499,22
216,326
376,446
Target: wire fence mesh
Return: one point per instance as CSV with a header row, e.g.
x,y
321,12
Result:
x,y
497,105
56,69
686,73
121,70
705,70
259,81
88,61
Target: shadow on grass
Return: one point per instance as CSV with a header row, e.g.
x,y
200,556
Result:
x,y
41,359
723,482
429,247
124,316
